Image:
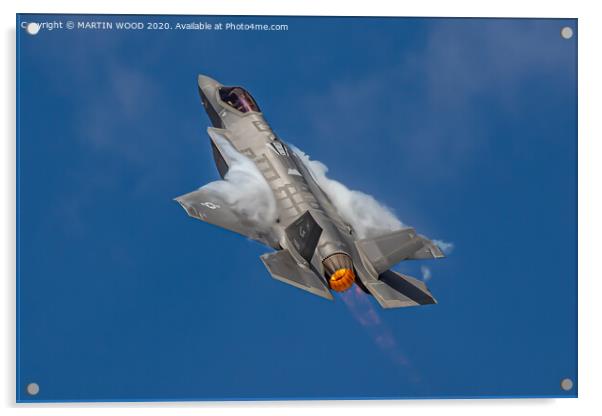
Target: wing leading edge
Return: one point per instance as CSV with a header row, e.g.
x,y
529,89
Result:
x,y
208,206
386,250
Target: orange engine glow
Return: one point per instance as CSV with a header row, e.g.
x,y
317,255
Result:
x,y
341,280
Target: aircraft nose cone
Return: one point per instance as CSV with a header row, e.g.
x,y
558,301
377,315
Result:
x,y
207,82
208,88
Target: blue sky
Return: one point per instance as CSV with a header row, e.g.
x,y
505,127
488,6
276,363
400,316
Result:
x,y
466,128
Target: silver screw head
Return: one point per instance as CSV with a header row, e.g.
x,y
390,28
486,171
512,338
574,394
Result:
x,y
566,384
566,32
32,28
33,389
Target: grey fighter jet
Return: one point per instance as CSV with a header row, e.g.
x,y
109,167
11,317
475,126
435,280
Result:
x,y
316,250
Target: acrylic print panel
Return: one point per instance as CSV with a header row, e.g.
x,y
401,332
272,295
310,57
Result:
x,y
431,254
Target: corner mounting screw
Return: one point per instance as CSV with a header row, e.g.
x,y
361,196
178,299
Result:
x,y
33,389
566,32
566,384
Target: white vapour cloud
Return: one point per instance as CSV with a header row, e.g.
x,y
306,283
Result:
x,y
366,215
244,188
446,247
247,192
426,273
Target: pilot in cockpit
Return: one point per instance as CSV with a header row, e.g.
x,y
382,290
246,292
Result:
x,y
238,99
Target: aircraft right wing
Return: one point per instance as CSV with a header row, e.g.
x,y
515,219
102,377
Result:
x,y
429,250
389,249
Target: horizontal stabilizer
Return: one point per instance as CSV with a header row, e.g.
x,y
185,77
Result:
x,y
395,290
282,266
387,250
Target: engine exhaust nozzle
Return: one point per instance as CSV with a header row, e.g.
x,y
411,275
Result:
x,y
338,268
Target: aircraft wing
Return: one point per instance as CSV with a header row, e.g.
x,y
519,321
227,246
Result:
x,y
429,250
206,205
389,249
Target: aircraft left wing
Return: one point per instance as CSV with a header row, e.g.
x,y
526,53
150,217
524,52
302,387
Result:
x,y
208,206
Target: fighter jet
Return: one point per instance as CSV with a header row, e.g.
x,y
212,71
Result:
x,y
316,250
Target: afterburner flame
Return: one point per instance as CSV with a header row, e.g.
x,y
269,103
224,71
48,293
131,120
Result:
x,y
341,280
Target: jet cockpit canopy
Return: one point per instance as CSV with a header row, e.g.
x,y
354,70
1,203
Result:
x,y
239,99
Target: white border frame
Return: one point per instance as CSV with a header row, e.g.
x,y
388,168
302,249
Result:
x,y
590,201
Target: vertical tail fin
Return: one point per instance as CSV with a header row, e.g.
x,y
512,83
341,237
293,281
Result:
x,y
303,234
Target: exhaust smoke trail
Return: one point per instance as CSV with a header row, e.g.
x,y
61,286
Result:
x,y
366,314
